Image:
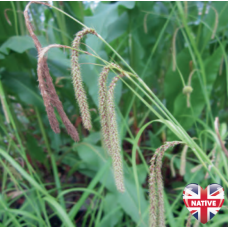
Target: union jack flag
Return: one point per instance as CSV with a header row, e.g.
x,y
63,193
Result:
x,y
203,204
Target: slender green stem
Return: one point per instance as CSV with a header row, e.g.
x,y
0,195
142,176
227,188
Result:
x,y
12,122
181,76
52,157
15,17
158,40
223,50
74,210
61,212
200,25
61,23
56,8
180,8
21,19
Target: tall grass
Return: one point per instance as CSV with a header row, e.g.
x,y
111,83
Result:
x,y
41,203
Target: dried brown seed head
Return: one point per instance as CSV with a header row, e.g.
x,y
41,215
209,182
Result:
x,y
46,86
50,97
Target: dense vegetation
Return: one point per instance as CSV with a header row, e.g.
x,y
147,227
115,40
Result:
x,y
175,56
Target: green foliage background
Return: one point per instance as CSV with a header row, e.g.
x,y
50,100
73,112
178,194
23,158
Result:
x,y
47,179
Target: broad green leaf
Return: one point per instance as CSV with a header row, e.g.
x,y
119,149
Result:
x,y
171,89
177,101
2,56
112,212
35,151
107,22
94,158
20,85
18,44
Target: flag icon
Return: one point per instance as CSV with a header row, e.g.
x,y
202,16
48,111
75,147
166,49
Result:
x,y
203,204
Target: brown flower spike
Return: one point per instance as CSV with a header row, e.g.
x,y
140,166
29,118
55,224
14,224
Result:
x,y
46,86
107,106
103,110
109,124
77,79
157,212
114,137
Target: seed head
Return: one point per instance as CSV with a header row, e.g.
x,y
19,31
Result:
x,y
46,86
188,223
50,97
157,211
183,160
172,166
114,137
45,94
153,193
103,110
77,79
109,125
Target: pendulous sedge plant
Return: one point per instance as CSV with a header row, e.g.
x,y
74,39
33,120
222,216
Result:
x,y
157,212
108,117
103,110
114,137
47,88
77,79
107,107
188,223
109,124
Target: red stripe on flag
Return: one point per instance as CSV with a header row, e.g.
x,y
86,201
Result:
x,y
193,211
187,194
215,194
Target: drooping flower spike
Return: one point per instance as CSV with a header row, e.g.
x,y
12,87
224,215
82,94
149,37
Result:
x,y
109,125
157,211
46,86
79,90
50,98
114,137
